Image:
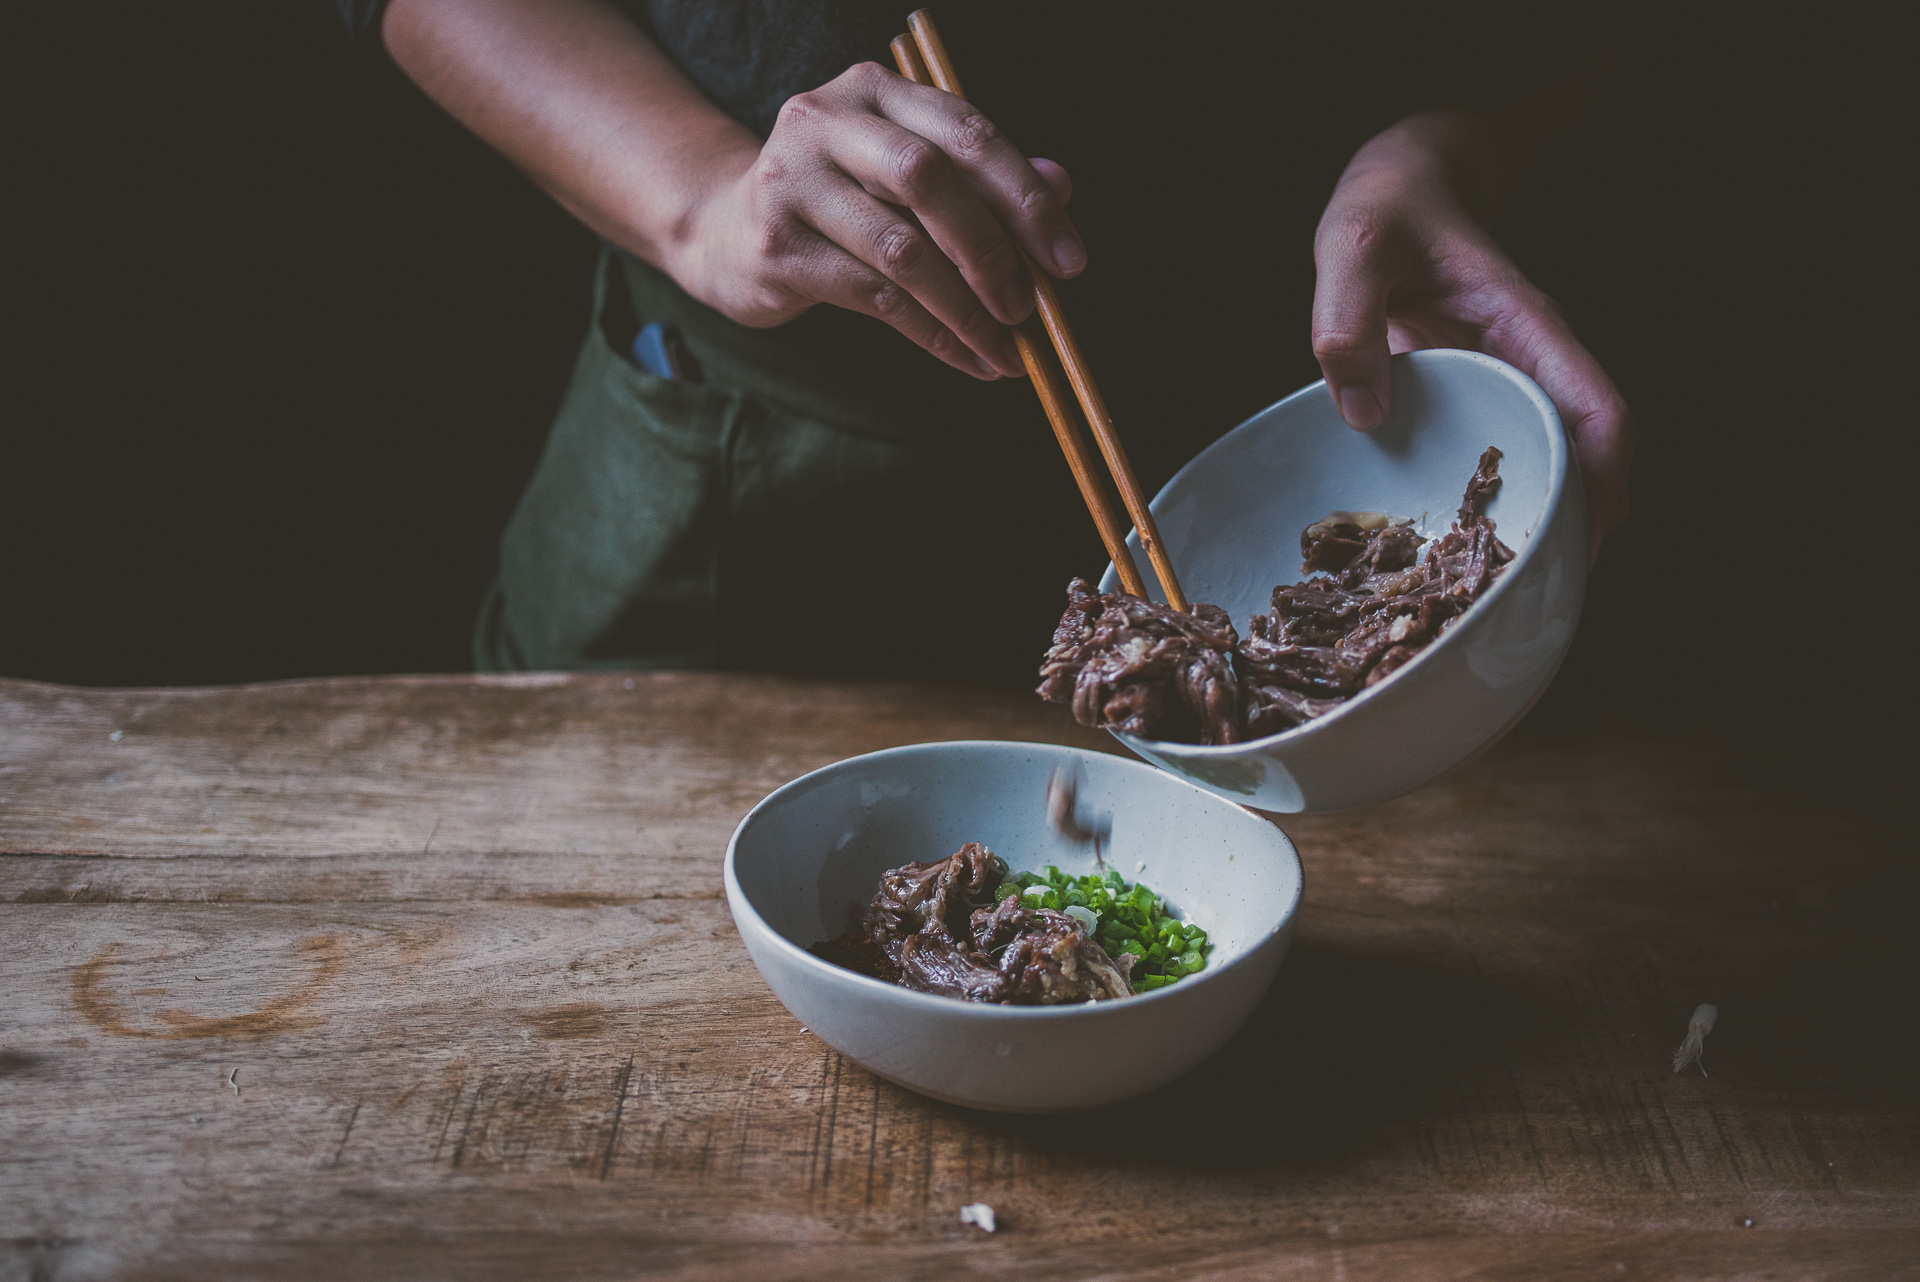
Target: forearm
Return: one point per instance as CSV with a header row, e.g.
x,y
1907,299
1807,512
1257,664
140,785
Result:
x,y
871,193
578,97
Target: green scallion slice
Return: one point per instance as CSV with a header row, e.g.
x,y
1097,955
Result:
x,y
1126,917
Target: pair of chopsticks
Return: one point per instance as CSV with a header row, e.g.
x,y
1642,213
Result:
x,y
923,59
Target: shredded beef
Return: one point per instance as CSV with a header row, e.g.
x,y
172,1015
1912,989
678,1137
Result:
x,y
938,927
1150,671
1145,668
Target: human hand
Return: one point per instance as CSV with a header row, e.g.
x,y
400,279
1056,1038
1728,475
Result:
x,y
1404,264
889,198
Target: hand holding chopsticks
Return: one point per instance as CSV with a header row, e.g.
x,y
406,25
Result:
x,y
924,60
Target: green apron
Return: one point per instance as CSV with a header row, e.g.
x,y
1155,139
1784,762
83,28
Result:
x,y
825,498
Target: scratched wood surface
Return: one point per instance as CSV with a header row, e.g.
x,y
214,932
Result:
x,y
410,977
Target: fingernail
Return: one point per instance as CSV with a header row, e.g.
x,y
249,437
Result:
x,y
984,370
1068,254
1361,409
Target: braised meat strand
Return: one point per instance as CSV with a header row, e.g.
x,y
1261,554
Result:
x,y
938,927
1150,671
1145,668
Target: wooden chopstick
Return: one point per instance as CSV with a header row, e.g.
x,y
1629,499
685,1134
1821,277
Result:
x,y
906,56
935,60
1053,398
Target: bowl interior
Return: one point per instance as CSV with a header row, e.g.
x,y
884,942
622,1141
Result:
x,y
820,843
1231,518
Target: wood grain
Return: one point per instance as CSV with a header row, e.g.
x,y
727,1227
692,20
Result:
x,y
402,977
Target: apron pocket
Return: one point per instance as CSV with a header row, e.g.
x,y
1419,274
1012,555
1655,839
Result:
x,y
610,558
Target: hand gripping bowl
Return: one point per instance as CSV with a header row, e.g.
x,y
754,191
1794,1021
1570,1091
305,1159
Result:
x,y
821,842
1231,521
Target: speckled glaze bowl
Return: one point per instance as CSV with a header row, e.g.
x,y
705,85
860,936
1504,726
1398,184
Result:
x,y
811,848
1231,520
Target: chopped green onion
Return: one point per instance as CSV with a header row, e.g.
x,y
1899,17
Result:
x,y
1128,919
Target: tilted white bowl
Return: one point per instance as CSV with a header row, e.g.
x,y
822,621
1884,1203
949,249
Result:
x,y
1231,522
811,848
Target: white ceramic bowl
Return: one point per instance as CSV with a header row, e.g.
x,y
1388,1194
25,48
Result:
x,y
821,842
1231,521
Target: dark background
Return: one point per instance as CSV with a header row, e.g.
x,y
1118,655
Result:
x,y
286,340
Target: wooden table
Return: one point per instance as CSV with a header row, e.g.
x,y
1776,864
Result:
x,y
418,976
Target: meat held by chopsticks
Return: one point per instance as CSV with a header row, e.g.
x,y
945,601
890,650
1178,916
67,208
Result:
x,y
1145,668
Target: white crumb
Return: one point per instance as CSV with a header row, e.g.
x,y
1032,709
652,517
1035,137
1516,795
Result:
x,y
117,736
977,1213
1689,1052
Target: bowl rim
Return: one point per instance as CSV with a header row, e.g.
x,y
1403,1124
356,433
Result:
x,y
1559,464
739,902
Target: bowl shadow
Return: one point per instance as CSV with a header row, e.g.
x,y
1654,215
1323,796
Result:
x,y
1343,1046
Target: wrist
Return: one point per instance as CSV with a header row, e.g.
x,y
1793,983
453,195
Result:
x,y
674,215
1450,153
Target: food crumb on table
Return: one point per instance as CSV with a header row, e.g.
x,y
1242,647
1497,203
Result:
x,y
1705,1015
978,1213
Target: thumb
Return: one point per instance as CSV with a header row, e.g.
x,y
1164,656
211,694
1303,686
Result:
x,y
1350,320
